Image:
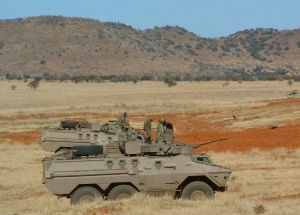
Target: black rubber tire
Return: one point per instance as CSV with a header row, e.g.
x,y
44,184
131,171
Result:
x,y
198,187
121,192
85,193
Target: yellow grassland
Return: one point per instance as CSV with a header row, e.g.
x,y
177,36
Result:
x,y
84,100
268,178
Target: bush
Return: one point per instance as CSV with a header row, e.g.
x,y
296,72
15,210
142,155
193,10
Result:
x,y
146,78
298,44
225,48
259,209
13,87
179,47
34,84
199,46
170,81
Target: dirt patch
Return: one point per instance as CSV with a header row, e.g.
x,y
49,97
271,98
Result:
x,y
280,102
192,129
22,137
276,198
262,138
102,211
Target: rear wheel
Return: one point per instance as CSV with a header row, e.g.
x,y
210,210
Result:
x,y
121,192
197,190
84,195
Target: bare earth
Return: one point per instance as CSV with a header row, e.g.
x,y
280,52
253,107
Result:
x,y
261,121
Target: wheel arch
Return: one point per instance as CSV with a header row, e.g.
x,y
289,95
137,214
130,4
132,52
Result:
x,y
112,185
201,178
87,185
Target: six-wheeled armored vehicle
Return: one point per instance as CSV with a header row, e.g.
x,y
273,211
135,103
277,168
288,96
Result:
x,y
116,164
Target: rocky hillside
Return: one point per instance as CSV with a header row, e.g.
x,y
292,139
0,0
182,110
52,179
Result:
x,y
77,46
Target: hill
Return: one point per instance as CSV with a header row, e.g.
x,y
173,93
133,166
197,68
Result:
x,y
57,46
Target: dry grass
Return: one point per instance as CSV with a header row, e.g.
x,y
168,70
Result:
x,y
143,97
53,101
258,178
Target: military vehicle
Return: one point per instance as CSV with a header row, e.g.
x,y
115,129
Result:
x,y
114,170
74,133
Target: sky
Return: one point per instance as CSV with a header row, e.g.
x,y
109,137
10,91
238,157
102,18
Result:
x,y
206,18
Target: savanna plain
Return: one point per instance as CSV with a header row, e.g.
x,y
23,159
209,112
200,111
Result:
x,y
261,120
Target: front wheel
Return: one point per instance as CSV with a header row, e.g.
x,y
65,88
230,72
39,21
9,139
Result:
x,y
84,195
197,190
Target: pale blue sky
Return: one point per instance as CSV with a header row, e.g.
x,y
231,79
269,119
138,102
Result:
x,y
206,18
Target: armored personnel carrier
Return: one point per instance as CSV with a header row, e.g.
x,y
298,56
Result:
x,y
115,170
73,133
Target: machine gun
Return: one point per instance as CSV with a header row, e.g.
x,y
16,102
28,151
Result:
x,y
202,144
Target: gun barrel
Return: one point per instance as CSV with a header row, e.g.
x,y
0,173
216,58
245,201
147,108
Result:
x,y
213,141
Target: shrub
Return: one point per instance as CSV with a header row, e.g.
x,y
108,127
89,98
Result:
x,y
225,48
298,44
43,62
34,83
146,78
170,81
13,87
199,46
150,49
188,46
191,52
179,47
259,209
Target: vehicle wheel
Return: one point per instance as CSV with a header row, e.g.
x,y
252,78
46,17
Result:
x,y
121,192
197,191
84,195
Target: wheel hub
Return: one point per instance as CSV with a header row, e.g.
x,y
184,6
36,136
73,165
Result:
x,y
197,195
123,196
86,199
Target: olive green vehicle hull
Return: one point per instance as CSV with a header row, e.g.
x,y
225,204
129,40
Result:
x,y
151,174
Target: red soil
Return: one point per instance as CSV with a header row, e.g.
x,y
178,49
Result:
x,y
261,138
193,130
281,102
22,137
102,211
275,198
